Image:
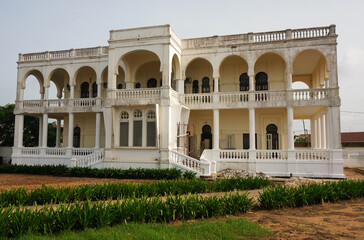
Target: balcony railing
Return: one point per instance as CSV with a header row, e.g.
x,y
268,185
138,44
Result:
x,y
38,105
63,54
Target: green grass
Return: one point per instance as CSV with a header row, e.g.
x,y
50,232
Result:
x,y
232,228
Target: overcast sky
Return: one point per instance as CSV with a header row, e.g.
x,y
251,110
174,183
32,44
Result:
x,y
38,25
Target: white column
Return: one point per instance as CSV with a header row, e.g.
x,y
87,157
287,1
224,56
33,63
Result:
x,y
40,135
329,141
180,86
129,85
165,126
58,133
216,84
20,129
251,82
72,92
99,88
251,129
216,128
108,121
98,130
316,133
289,80
290,128
70,130
45,130
333,122
312,133
319,131
323,131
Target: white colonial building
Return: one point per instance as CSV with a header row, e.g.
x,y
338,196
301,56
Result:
x,y
151,99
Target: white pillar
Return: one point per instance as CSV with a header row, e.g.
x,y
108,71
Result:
x,y
251,82
99,88
45,130
98,130
165,126
323,131
312,133
70,130
216,84
180,86
251,129
216,129
289,80
40,135
290,128
333,122
131,129
316,133
108,121
319,131
72,92
58,133
20,129
129,85
328,133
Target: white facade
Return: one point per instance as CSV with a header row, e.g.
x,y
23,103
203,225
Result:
x,y
151,99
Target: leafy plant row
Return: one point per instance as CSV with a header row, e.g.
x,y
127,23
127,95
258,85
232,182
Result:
x,y
281,196
48,194
79,216
62,170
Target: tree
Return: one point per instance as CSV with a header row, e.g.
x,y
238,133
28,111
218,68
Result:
x,y
31,129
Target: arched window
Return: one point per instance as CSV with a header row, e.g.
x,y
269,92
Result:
x,y
261,81
151,129
152,83
137,85
76,137
205,85
272,137
244,82
195,86
85,90
138,126
94,90
124,129
120,86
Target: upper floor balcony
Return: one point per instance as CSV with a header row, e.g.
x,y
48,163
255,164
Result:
x,y
221,100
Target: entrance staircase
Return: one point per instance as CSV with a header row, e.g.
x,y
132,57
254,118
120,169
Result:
x,y
200,167
88,160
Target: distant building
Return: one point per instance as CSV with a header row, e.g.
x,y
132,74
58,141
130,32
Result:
x,y
151,99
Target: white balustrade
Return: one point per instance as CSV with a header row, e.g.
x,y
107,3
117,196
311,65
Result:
x,y
84,102
90,160
56,151
32,104
310,94
269,36
189,163
271,154
234,154
310,32
201,98
31,151
233,97
82,151
312,154
137,94
33,57
59,54
56,103
82,52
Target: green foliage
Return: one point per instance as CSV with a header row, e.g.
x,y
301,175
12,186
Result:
x,y
281,196
107,191
189,175
231,228
7,121
79,216
61,170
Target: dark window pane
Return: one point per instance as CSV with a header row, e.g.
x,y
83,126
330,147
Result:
x,y
124,134
151,134
137,138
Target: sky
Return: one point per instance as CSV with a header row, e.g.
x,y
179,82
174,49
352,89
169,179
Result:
x,y
28,26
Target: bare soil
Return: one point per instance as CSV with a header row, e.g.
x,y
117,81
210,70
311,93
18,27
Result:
x,y
344,220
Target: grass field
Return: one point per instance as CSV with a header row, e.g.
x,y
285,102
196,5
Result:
x,y
231,228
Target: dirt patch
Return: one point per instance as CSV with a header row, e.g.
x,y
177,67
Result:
x,y
328,221
28,181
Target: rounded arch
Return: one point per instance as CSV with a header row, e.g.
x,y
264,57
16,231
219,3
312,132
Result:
x,y
188,63
310,66
300,85
279,54
230,70
274,66
146,72
83,75
196,70
176,67
231,56
61,78
37,74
